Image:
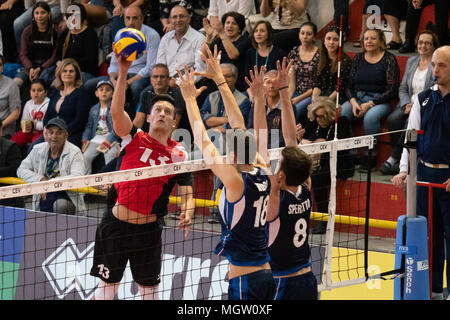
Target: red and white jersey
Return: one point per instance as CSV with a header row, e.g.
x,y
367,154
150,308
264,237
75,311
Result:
x,y
144,151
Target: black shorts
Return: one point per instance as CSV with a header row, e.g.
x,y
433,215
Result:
x,y
117,242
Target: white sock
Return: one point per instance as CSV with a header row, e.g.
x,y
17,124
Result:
x,y
148,293
391,161
106,291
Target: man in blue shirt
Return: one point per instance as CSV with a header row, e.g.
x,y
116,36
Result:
x,y
431,113
139,72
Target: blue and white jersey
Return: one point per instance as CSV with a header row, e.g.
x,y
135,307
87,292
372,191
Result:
x,y
288,233
244,232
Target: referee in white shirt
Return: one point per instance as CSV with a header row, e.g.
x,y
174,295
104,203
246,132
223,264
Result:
x,y
431,113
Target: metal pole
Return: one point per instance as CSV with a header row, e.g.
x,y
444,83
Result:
x,y
411,141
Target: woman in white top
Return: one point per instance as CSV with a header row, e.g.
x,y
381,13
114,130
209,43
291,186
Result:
x,y
417,77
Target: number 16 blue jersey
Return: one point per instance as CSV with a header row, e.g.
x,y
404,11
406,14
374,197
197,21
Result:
x,y
244,234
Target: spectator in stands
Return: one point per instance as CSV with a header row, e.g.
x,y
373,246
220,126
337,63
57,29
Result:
x,y
374,82
417,77
117,19
165,6
79,42
325,79
341,8
430,112
263,50
98,135
32,125
139,72
230,41
25,18
273,115
69,101
37,44
305,59
56,157
213,110
10,104
393,11
181,46
287,20
320,128
413,15
10,159
9,11
218,8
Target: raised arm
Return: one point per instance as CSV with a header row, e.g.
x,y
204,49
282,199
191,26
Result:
x,y
287,112
122,123
214,72
255,89
227,173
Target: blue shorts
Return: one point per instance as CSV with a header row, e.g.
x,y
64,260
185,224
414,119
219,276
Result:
x,y
302,287
258,285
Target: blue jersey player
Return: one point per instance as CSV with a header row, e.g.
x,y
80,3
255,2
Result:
x,y
244,198
290,200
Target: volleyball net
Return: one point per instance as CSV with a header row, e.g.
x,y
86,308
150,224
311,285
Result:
x,y
49,255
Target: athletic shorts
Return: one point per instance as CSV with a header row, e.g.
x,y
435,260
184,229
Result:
x,y
302,287
258,285
117,242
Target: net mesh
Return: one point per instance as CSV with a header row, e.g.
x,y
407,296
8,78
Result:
x,y
49,255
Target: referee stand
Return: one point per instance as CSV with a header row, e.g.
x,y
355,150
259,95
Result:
x,y
411,249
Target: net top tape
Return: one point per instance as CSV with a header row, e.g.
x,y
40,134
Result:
x,y
70,183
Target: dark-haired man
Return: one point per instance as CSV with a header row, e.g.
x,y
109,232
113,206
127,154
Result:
x,y
290,199
243,200
131,227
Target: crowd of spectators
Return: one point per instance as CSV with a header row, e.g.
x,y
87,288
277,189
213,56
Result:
x,y
66,70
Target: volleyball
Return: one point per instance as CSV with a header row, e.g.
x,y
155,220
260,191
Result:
x,y
130,44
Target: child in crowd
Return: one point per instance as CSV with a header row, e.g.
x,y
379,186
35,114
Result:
x,y
98,136
32,125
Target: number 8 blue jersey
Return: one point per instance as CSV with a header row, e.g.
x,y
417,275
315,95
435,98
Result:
x,y
244,233
288,233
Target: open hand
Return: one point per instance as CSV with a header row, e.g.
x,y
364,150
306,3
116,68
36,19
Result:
x,y
186,84
256,82
213,70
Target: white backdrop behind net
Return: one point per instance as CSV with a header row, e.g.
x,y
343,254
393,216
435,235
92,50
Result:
x,y
190,269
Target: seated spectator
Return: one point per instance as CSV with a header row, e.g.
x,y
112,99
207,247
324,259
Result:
x,y
10,103
181,46
374,82
79,42
9,11
69,102
10,159
288,16
160,85
417,77
25,18
165,6
305,58
319,128
413,15
230,41
218,8
213,110
37,45
56,157
263,51
32,125
98,136
117,21
273,115
139,72
325,79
